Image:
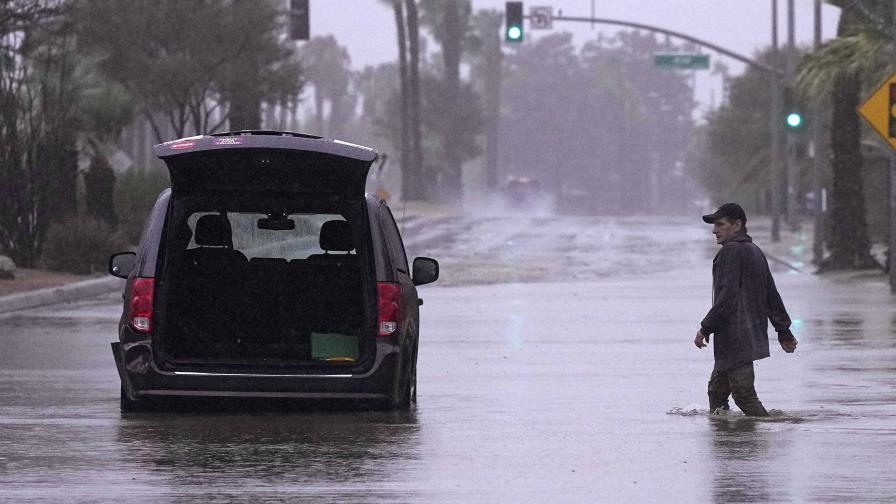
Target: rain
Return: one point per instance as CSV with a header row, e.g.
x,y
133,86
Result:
x,y
446,251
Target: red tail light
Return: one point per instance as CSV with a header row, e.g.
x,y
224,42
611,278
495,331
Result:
x,y
140,304
388,307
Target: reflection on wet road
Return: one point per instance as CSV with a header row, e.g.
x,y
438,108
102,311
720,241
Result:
x,y
528,392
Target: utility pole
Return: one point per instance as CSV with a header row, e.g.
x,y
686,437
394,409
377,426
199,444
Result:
x,y
775,130
819,158
592,14
893,190
791,171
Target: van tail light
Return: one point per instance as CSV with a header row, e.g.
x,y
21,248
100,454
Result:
x,y
140,304
388,307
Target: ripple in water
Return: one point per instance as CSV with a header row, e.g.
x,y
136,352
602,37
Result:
x,y
690,410
694,410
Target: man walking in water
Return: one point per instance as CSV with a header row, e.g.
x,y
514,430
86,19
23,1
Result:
x,y
744,301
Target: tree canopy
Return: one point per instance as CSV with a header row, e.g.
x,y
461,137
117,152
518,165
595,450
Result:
x,y
737,166
192,60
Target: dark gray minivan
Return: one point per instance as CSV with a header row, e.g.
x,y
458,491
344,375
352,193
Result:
x,y
266,272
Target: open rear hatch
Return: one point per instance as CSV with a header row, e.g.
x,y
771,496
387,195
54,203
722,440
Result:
x,y
267,265
266,162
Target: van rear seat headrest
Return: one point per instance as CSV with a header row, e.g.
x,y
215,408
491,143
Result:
x,y
213,231
336,235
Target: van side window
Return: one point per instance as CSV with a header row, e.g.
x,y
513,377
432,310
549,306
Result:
x,y
393,240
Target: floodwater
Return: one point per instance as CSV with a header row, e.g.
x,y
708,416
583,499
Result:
x,y
565,391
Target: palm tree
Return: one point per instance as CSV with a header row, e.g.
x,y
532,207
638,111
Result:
x,y
861,53
328,67
452,49
414,167
486,69
449,22
407,174
864,45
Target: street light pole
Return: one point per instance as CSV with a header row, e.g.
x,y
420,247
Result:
x,y
818,159
774,130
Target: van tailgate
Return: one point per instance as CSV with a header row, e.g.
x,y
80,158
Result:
x,y
265,163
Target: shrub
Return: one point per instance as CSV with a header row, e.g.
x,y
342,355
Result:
x,y
136,192
80,245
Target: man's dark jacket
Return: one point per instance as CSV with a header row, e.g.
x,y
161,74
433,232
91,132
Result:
x,y
744,301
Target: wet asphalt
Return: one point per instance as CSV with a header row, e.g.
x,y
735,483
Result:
x,y
532,388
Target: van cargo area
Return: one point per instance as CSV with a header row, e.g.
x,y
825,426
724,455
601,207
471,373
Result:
x,y
256,287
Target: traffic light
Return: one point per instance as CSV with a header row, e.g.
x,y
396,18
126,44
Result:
x,y
793,117
513,26
298,20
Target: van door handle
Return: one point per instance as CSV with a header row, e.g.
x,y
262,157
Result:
x,y
419,301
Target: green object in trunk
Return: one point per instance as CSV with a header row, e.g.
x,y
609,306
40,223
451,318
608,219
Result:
x,y
334,347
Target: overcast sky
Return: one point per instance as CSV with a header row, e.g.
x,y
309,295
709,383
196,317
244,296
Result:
x,y
367,27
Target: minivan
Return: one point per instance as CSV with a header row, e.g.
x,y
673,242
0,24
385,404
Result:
x,y
265,271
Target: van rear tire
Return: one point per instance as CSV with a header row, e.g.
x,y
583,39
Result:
x,y
408,394
406,389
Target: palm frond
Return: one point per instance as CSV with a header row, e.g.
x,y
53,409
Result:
x,y
868,53
875,14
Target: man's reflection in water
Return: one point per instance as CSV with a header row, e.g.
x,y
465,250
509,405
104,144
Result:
x,y
740,455
226,452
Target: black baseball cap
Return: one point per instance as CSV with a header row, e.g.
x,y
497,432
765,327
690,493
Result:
x,y
731,211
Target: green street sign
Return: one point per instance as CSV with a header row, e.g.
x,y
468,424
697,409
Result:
x,y
679,61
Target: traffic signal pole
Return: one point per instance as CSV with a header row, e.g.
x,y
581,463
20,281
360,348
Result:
x,y
790,173
674,34
818,159
775,131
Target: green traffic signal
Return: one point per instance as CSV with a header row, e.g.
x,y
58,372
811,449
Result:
x,y
792,118
513,21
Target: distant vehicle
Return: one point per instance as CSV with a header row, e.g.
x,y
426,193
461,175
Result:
x,y
266,272
522,191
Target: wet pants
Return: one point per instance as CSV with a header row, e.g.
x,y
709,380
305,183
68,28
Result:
x,y
737,382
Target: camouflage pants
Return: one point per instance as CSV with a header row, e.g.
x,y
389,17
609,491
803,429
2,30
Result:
x,y
737,382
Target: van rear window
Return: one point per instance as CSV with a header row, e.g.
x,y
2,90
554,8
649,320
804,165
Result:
x,y
259,235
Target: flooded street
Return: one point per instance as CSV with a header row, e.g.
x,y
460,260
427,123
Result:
x,y
567,375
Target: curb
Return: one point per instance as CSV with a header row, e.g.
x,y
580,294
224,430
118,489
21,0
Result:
x,y
783,262
60,294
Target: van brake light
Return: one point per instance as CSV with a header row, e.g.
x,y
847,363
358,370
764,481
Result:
x,y
388,307
140,304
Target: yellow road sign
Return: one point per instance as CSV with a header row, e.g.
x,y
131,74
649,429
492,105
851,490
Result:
x,y
879,110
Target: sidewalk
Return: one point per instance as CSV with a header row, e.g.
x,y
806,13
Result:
x,y
794,251
63,293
